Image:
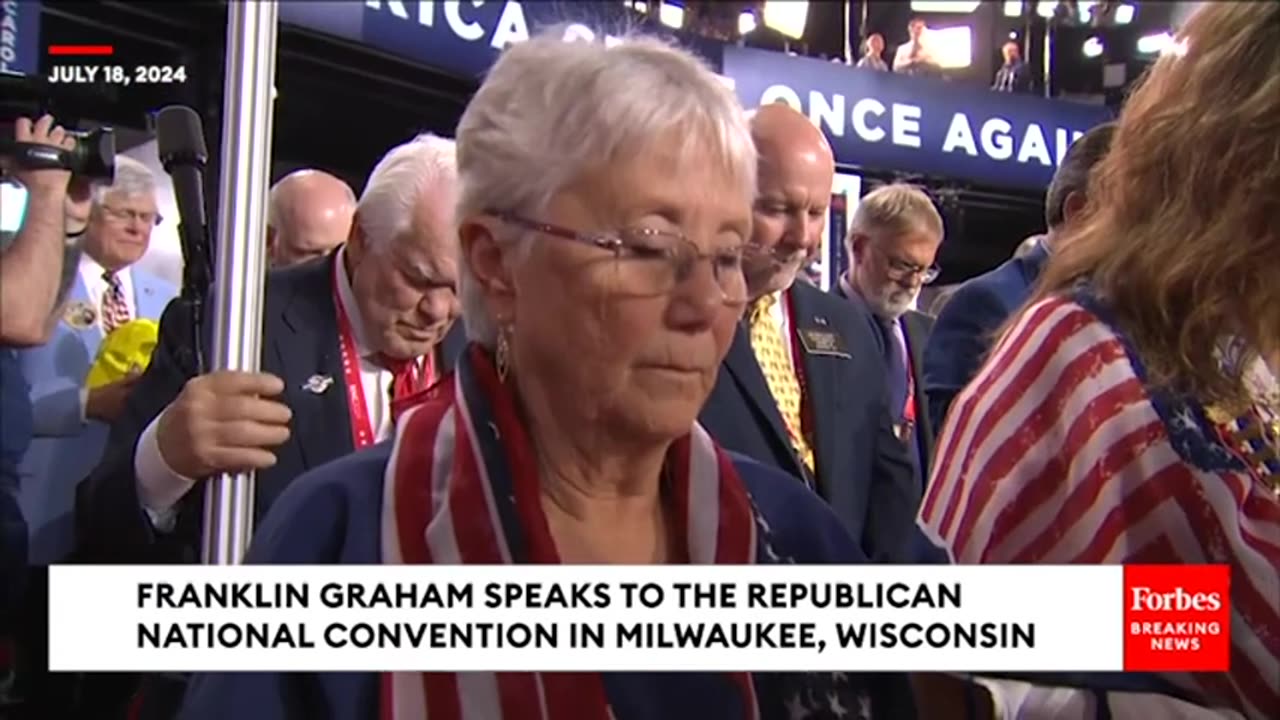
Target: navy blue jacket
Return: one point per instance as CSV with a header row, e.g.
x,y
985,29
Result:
x,y
863,471
333,516
300,340
916,327
965,329
15,438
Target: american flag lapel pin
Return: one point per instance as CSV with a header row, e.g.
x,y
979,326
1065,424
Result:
x,y
317,384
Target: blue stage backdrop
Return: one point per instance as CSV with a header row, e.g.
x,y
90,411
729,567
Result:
x,y
918,125
464,38
875,120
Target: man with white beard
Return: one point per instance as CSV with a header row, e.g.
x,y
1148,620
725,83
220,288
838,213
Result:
x,y
893,242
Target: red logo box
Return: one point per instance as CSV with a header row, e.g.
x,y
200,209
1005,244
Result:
x,y
1177,618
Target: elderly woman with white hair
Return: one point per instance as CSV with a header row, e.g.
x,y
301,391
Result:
x,y
606,198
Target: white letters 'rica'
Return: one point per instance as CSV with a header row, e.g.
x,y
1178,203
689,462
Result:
x,y
995,137
1146,599
512,27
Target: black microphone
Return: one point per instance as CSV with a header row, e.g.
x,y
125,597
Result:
x,y
180,141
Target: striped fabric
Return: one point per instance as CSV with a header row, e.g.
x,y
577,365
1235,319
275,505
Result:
x,y
772,353
1056,453
461,487
115,309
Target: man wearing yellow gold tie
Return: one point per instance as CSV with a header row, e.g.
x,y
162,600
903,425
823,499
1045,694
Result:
x,y
803,386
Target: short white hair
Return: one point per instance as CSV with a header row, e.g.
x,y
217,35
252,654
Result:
x,y
551,110
894,210
399,181
131,178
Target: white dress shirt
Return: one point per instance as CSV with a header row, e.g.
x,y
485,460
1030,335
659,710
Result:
x,y
160,487
902,57
94,287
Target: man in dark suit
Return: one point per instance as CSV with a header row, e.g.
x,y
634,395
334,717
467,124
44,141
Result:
x,y
892,243
1014,76
343,334
802,387
970,320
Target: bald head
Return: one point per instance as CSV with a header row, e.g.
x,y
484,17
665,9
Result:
x,y
796,173
781,134
310,214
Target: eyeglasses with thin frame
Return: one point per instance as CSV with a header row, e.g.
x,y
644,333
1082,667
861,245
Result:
x,y
651,262
902,271
127,215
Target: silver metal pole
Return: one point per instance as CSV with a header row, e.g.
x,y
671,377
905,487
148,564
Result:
x,y
246,155
849,56
1046,60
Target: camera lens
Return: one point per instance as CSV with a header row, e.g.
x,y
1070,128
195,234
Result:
x,y
94,154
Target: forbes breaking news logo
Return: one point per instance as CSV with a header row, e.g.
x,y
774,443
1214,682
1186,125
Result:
x,y
1177,618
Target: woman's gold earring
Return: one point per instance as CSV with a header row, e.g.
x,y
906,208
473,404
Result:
x,y
502,356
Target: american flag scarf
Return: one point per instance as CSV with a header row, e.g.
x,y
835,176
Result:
x,y
1058,452
461,487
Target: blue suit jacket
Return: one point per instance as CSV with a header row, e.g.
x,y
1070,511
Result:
x,y
299,341
66,447
15,438
965,328
332,515
916,327
863,470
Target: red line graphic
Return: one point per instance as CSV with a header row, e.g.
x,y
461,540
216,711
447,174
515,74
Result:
x,y
72,50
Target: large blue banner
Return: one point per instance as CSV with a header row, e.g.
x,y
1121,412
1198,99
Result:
x,y
20,36
464,38
874,120
917,125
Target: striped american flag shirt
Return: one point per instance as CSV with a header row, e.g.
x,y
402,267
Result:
x,y
1058,453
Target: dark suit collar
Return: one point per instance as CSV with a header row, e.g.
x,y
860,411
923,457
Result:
x,y
306,346
451,346
1032,263
824,400
741,364
845,289
306,293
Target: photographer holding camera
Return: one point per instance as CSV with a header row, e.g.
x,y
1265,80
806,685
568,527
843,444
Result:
x,y
33,279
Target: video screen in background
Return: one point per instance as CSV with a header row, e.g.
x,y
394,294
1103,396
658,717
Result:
x,y
13,206
846,191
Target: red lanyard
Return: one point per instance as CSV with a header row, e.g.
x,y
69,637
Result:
x,y
361,430
909,412
909,406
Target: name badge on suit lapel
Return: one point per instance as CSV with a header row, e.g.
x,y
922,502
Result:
x,y
822,340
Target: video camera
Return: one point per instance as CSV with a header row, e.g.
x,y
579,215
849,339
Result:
x,y
24,96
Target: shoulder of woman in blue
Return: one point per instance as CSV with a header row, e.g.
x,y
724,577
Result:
x,y
331,514
800,523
